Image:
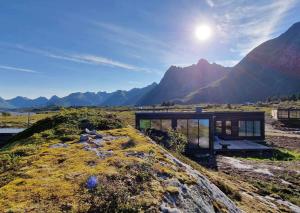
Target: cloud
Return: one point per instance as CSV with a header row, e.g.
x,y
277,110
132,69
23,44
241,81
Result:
x,y
129,37
104,61
210,3
82,58
248,23
18,69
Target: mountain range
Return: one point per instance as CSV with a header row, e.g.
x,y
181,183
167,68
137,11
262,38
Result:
x,y
271,69
117,98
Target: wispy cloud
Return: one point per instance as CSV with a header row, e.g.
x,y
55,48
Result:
x,y
248,23
82,58
210,3
130,37
4,67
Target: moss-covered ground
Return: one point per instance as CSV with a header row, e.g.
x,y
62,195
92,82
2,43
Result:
x,y
37,175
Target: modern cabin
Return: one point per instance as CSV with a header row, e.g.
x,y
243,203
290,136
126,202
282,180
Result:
x,y
286,114
7,133
201,128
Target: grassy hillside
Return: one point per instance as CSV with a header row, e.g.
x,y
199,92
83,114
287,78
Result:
x,y
46,167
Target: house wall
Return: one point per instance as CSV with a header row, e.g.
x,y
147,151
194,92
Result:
x,y
235,118
286,114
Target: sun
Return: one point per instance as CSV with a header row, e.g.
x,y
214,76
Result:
x,y
203,32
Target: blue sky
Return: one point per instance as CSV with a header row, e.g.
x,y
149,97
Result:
x,y
56,47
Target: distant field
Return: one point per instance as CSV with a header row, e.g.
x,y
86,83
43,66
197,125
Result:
x,y
127,113
21,121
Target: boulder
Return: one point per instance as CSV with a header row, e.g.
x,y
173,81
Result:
x,y
84,137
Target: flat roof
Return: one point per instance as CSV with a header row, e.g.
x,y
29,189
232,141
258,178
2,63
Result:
x,y
288,108
11,130
195,113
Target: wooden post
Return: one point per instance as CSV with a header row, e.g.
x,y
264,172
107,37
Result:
x,y
28,119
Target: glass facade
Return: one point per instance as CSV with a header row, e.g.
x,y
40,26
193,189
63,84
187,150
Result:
x,y
145,124
156,124
193,133
257,131
242,128
249,128
283,113
228,127
196,130
219,127
182,126
295,114
166,125
203,133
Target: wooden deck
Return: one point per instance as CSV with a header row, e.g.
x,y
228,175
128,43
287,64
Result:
x,y
239,145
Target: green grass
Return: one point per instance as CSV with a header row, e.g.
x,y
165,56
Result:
x,y
283,191
21,121
35,177
278,155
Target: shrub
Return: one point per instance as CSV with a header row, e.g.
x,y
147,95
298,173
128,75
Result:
x,y
129,144
172,139
6,114
177,141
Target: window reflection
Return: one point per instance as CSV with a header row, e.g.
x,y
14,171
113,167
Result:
x,y
204,133
219,127
156,124
166,125
228,127
182,126
145,124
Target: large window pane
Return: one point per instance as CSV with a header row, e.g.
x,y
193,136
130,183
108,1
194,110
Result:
x,y
219,127
166,125
242,128
249,128
182,126
283,114
257,128
294,114
145,124
193,133
156,124
204,133
228,127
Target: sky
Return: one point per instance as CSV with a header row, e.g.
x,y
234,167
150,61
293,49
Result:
x,y
56,47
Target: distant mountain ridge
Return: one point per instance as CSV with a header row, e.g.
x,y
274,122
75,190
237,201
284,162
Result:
x,y
179,82
117,98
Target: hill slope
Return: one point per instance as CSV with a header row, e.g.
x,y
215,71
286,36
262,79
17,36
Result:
x,y
4,104
47,167
23,102
179,82
271,69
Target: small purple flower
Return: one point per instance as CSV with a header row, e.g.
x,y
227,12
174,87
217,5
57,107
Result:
x,y
92,182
